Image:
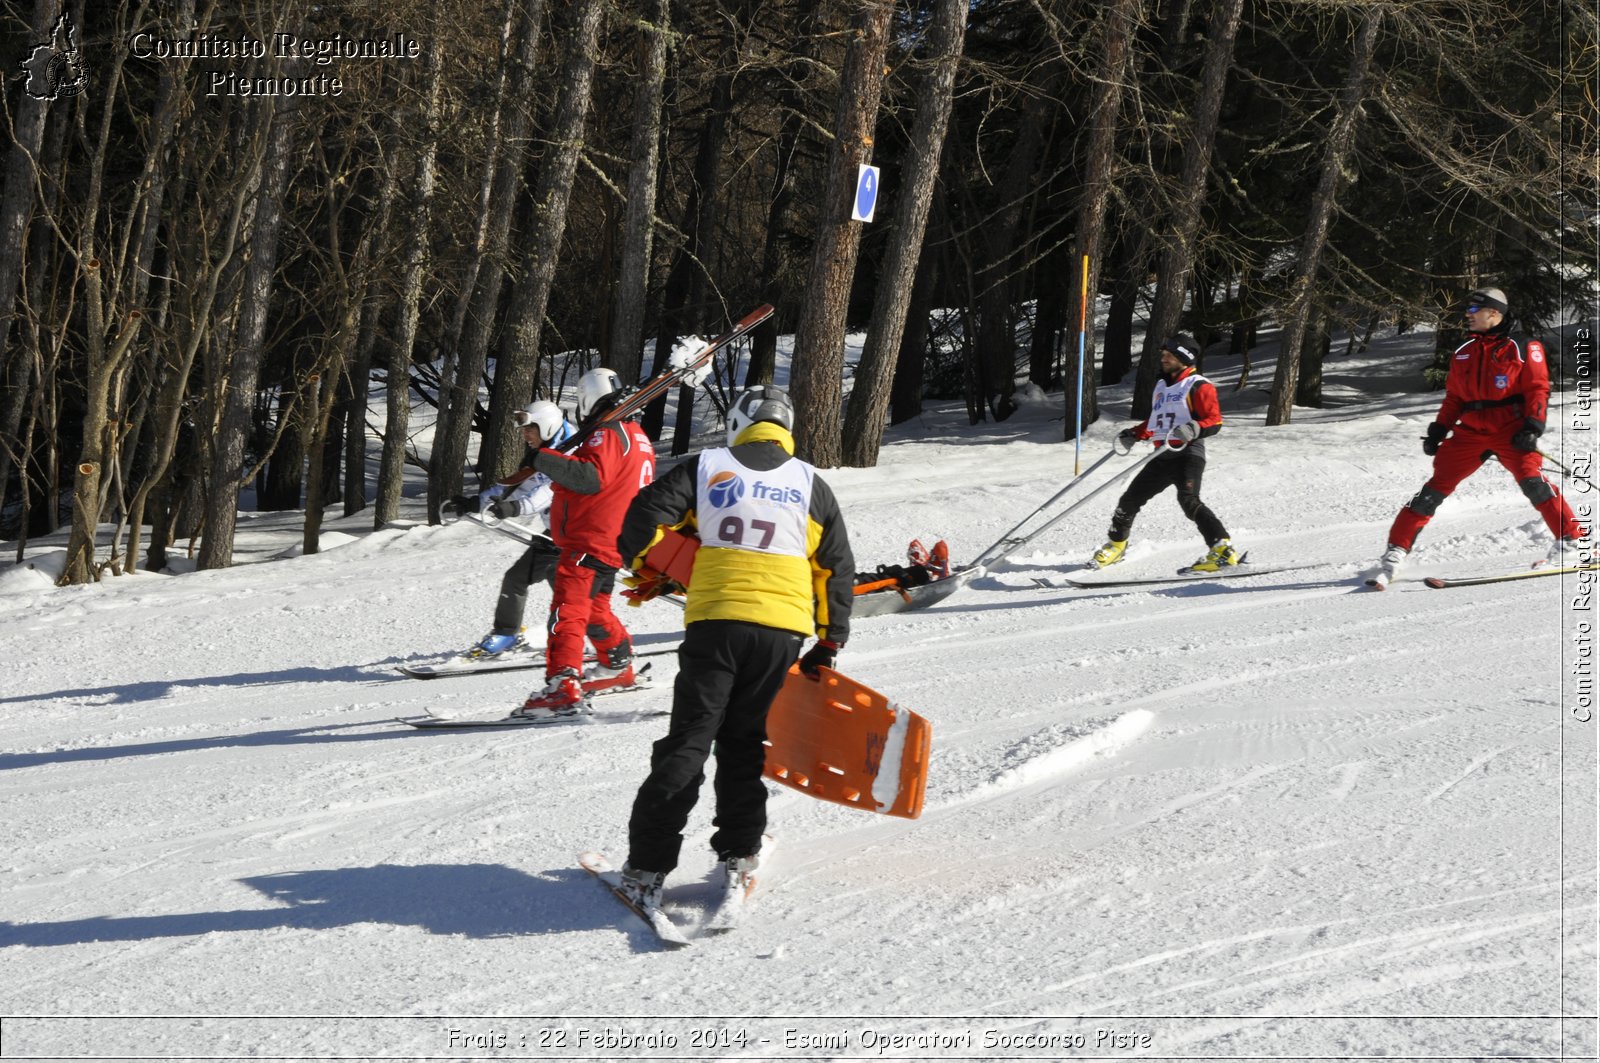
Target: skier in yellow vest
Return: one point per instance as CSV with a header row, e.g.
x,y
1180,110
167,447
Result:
x,y
774,565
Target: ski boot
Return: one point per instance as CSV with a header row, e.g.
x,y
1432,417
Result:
x,y
600,676
1110,553
1388,565
563,698
917,554
1563,553
493,646
938,565
642,889
1221,555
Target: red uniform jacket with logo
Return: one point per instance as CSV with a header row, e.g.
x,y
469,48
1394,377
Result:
x,y
1494,384
594,485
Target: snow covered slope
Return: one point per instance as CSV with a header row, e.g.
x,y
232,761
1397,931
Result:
x,y
1281,816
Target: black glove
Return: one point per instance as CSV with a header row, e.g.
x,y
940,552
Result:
x,y
503,508
821,655
1129,436
461,504
1436,434
1528,438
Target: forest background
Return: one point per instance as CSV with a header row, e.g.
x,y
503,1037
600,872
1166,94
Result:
x,y
213,264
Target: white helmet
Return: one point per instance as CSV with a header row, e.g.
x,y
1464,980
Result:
x,y
593,387
544,415
764,402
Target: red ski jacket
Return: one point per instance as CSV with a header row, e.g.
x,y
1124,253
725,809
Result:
x,y
1494,384
594,487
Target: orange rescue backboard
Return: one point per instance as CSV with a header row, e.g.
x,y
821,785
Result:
x,y
840,741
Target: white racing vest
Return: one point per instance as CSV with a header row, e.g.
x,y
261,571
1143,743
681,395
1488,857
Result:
x,y
741,509
1170,407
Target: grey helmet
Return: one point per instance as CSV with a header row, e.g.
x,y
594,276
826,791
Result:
x,y
764,402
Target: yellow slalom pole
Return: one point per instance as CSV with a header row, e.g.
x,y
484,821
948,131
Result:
x,y
1083,317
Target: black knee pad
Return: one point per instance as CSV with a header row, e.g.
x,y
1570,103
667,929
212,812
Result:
x,y
1538,489
1427,502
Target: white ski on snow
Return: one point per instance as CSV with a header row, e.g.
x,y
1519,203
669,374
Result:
x,y
599,865
1239,571
512,660
430,722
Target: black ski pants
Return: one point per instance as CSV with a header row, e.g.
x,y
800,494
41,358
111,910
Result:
x,y
729,672
1182,471
537,564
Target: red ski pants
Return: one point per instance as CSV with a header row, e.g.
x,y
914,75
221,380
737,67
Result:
x,y
580,607
1458,458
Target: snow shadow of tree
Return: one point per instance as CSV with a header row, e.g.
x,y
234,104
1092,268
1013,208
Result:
x,y
468,900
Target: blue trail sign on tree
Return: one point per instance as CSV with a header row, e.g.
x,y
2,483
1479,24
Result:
x,y
866,193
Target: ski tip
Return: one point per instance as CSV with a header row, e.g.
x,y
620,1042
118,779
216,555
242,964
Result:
x,y
1375,584
1436,583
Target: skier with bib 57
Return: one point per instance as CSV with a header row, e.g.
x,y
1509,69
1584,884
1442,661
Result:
x,y
1185,409
773,566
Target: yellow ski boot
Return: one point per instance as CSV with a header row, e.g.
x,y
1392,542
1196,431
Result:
x,y
1221,555
1110,553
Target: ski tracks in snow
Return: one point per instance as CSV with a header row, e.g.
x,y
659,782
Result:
x,y
1047,755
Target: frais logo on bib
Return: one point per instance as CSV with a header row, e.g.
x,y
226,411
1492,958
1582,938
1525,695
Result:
x,y
783,496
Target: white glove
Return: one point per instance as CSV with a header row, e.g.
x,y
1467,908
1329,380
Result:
x,y
684,352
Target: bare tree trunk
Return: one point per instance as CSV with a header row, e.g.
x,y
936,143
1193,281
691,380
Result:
x,y
175,381
906,400
1341,139
1178,246
638,225
1314,353
391,466
681,309
1118,22
22,169
818,366
1002,239
101,432
517,371
233,429
778,238
869,399
458,391
16,205
320,389
358,380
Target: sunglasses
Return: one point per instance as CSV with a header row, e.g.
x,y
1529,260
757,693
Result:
x,y
1474,308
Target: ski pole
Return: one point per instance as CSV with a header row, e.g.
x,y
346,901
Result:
x,y
1011,547
499,526
1079,504
984,558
